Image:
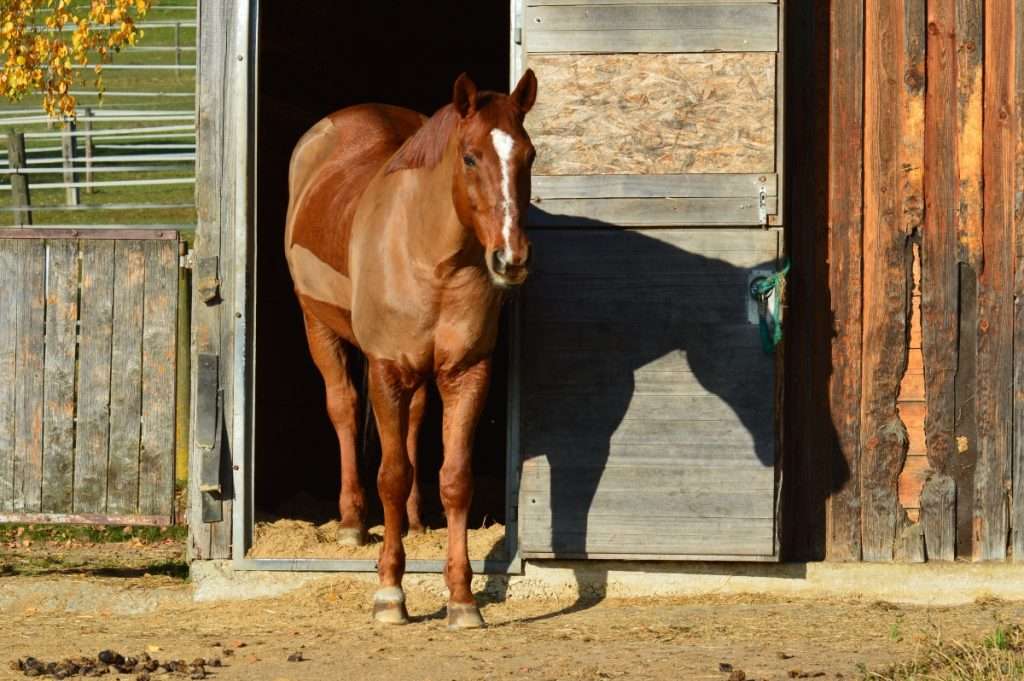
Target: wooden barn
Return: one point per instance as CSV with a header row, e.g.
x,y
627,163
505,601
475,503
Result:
x,y
690,152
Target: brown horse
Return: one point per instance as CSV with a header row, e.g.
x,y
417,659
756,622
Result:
x,y
403,233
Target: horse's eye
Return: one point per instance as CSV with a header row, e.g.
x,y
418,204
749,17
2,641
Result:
x,y
469,161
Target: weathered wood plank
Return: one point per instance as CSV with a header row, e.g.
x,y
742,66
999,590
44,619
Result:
x,y
682,212
222,102
614,310
687,185
126,379
705,18
94,371
845,229
966,424
1017,506
940,282
654,114
577,536
537,3
156,461
652,28
969,100
995,289
59,369
890,217
28,391
10,294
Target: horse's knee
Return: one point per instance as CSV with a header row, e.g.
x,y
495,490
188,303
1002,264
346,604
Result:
x,y
342,404
394,480
456,484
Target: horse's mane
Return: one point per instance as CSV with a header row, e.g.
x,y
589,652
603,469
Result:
x,y
426,147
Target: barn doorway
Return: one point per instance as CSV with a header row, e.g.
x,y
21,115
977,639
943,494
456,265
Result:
x,y
309,64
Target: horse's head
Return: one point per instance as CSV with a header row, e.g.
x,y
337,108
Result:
x,y
492,176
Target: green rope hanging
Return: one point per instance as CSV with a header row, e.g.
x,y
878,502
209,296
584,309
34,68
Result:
x,y
761,290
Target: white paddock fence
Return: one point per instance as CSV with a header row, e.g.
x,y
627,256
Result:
x,y
92,152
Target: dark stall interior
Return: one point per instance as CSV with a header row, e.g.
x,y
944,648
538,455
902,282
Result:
x,y
329,56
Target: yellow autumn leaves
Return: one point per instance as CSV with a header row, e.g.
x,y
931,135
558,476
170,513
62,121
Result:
x,y
43,41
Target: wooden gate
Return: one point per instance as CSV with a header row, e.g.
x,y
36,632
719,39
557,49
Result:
x,y
647,402
87,375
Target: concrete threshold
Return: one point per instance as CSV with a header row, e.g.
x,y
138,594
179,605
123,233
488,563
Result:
x,y
938,584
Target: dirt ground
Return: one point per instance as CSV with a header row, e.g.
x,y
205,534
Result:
x,y
328,623
302,539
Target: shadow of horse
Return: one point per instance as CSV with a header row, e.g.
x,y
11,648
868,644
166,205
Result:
x,y
648,401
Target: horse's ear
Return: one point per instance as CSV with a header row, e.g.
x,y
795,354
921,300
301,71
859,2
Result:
x,y
464,95
525,93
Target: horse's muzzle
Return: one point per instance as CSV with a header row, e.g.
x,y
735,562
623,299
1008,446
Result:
x,y
510,272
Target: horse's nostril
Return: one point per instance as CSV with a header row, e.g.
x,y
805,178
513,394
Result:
x,y
498,262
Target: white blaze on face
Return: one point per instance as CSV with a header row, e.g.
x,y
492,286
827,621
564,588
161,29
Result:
x,y
503,144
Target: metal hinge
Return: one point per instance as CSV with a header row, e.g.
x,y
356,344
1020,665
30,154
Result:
x,y
186,259
762,204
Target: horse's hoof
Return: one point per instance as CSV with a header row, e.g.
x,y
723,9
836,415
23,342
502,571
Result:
x,y
416,529
389,606
350,536
464,616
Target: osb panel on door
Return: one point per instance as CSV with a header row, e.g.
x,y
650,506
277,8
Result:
x,y
654,113
647,410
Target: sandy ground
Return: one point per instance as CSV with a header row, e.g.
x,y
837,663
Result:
x,y
302,539
328,622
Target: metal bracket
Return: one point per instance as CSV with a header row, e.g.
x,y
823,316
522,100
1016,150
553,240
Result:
x,y
187,260
208,428
207,282
762,204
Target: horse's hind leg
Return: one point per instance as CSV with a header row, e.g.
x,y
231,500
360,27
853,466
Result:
x,y
463,394
391,392
331,354
416,409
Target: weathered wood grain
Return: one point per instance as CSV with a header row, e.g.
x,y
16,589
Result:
x,y
28,391
969,100
845,230
62,273
689,185
890,216
1017,506
537,3
714,22
156,460
938,517
654,114
940,283
222,102
679,212
126,379
995,289
10,290
94,371
650,370
965,417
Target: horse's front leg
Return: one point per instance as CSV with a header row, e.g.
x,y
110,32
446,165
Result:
x,y
463,393
391,391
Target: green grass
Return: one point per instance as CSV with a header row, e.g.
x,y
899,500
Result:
x,y
94,534
996,657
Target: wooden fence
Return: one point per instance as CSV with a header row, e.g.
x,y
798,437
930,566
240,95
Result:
x,y
87,376
79,159
905,439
